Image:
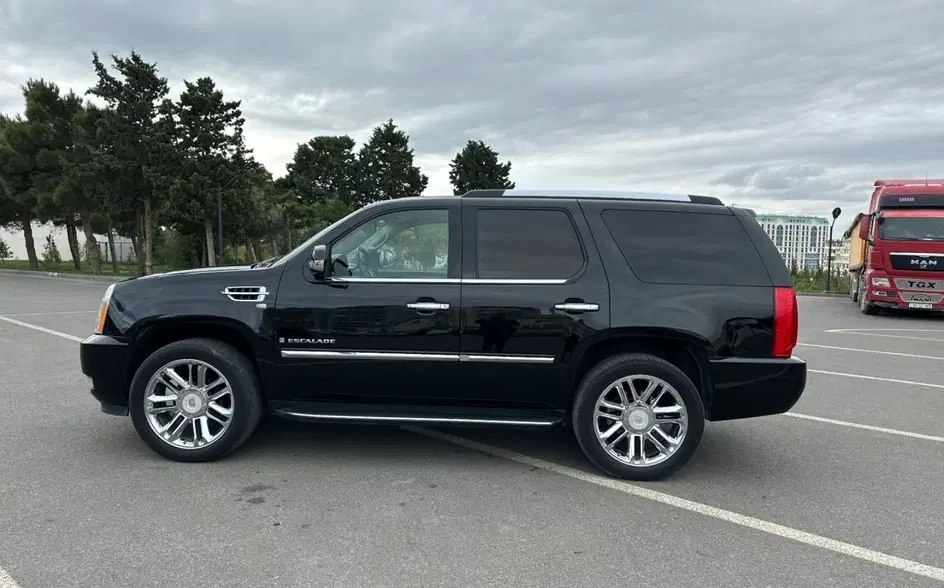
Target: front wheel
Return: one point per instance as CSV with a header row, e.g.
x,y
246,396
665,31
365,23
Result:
x,y
195,400
638,417
864,306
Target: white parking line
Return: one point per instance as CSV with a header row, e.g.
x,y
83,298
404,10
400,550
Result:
x,y
898,432
6,581
869,555
912,355
876,378
41,329
51,313
869,333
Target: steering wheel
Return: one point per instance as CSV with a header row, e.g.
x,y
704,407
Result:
x,y
364,262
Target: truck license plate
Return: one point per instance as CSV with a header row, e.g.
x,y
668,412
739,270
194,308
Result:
x,y
925,305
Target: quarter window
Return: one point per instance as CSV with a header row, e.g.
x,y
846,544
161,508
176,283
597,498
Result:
x,y
400,244
526,244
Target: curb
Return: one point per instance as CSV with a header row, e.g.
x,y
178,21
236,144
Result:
x,y
63,276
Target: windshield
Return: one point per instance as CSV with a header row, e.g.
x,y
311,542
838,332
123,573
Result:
x,y
926,228
310,242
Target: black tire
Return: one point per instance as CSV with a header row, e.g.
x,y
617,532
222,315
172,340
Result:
x,y
865,307
243,380
596,382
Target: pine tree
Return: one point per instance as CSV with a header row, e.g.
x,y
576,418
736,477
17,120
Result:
x,y
385,167
476,167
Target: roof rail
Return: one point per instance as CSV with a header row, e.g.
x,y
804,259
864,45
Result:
x,y
593,194
925,182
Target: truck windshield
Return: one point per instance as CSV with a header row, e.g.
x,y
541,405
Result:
x,y
912,229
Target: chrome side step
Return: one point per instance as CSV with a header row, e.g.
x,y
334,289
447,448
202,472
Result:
x,y
327,417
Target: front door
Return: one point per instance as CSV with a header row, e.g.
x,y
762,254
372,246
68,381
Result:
x,y
383,328
533,293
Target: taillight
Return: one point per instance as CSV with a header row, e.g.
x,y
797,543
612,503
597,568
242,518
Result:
x,y
786,322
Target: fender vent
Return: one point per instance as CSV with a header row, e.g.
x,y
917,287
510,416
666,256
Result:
x,y
246,293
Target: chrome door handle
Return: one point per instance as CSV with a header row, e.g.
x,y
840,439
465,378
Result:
x,y
428,305
577,306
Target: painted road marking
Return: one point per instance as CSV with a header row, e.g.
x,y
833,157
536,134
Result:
x,y
868,333
6,581
51,313
810,417
876,378
912,355
42,329
862,553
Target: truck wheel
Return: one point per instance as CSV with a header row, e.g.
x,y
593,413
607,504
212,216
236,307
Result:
x,y
195,400
638,417
854,290
864,306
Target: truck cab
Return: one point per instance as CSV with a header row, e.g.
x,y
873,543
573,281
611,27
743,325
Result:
x,y
897,250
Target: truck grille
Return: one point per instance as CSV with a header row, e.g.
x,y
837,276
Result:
x,y
928,262
919,285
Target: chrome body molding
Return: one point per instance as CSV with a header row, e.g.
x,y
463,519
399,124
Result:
x,y
428,420
477,281
396,356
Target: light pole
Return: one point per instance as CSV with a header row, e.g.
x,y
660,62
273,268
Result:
x,y
829,256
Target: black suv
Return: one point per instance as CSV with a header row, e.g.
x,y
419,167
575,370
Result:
x,y
631,318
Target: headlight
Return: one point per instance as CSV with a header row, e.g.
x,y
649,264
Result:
x,y
103,311
881,282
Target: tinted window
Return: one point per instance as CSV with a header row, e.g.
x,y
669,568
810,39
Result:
x,y
686,248
526,245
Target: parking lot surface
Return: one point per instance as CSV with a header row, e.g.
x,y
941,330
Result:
x,y
843,491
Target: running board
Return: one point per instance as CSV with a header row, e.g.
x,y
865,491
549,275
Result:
x,y
395,416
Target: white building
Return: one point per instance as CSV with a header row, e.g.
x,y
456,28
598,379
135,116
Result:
x,y
17,243
801,240
841,255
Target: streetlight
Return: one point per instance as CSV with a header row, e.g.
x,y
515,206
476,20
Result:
x,y
829,259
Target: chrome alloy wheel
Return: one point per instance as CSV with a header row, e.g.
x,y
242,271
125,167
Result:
x,y
640,420
188,404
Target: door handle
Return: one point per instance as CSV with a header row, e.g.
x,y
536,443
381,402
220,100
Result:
x,y
577,306
428,306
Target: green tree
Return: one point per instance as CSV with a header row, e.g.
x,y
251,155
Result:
x,y
476,167
139,152
386,169
324,168
213,162
19,144
5,252
67,195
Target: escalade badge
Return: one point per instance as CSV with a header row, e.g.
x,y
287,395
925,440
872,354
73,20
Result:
x,y
297,341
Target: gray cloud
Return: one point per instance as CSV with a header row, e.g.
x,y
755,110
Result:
x,y
791,106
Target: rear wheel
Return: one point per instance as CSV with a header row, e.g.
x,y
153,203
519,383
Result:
x,y
195,400
638,417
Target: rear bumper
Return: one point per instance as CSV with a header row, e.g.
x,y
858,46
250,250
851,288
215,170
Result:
x,y
105,360
748,387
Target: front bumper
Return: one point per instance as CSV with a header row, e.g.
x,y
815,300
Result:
x,y
105,360
749,387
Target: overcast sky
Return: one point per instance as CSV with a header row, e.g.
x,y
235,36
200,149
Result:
x,y
786,106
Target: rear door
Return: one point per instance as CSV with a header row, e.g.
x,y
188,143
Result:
x,y
533,293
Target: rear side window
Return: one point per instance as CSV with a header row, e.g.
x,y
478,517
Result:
x,y
526,244
664,247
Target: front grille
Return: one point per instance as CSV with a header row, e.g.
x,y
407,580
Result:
x,y
918,262
919,285
921,297
246,293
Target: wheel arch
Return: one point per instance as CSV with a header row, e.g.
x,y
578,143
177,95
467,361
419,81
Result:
x,y
678,348
157,334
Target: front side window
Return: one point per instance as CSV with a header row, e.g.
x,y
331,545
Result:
x,y
912,228
401,244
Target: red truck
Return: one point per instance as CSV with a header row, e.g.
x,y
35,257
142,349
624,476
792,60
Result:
x,y
896,254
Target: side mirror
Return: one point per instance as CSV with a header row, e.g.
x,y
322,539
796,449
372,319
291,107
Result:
x,y
318,256
864,223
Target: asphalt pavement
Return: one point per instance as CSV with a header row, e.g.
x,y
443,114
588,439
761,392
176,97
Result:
x,y
843,491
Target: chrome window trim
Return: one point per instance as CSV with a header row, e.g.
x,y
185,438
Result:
x,y
475,281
